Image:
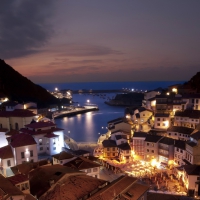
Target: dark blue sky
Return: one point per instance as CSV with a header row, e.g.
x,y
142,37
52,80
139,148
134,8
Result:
x,y
101,40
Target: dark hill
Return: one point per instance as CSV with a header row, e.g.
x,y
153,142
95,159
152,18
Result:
x,y
19,88
194,82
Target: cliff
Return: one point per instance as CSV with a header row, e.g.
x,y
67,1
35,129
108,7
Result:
x,y
18,88
194,82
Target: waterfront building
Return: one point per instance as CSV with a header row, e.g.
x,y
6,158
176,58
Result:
x,y
110,149
192,101
179,132
48,137
187,118
120,136
124,152
162,121
151,147
138,145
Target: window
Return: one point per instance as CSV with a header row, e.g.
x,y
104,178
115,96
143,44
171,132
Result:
x,y
95,169
113,154
158,124
40,141
31,153
175,133
41,148
89,170
179,134
61,162
54,142
163,124
108,154
113,148
108,149
54,148
8,163
158,119
22,154
152,151
147,144
147,150
169,133
47,148
152,144
163,119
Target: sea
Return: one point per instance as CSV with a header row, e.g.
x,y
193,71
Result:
x,y
89,126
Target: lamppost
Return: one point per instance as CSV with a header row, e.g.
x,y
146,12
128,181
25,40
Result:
x,y
69,135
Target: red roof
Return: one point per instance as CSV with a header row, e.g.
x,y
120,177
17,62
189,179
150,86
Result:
x,y
19,178
6,152
22,139
51,135
17,113
40,125
48,131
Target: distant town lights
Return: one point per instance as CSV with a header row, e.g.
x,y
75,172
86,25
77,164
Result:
x,y
56,89
88,101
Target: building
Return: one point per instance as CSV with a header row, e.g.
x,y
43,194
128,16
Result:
x,y
166,151
124,188
125,152
62,158
193,149
162,121
110,149
9,191
151,147
15,119
3,140
61,182
138,145
179,152
190,177
187,118
179,132
85,165
48,137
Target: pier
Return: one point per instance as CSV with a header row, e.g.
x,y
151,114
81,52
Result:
x,y
74,111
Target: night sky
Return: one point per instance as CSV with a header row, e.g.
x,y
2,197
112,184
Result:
x,y
101,40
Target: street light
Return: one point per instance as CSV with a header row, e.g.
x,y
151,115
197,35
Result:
x,y
88,101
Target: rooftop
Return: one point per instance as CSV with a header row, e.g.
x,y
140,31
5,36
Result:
x,y
152,138
17,113
192,169
195,114
180,129
161,115
40,125
109,143
167,140
140,134
124,146
6,152
63,155
19,178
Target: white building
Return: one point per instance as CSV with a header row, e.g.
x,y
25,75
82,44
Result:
x,y
48,137
161,121
62,158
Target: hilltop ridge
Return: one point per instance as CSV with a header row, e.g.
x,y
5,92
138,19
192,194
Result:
x,y
18,88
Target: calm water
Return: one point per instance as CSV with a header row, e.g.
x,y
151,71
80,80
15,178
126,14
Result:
x,y
87,127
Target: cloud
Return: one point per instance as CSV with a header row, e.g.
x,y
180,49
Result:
x,y
79,50
24,26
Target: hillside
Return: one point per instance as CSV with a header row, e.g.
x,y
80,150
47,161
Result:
x,y
194,82
19,88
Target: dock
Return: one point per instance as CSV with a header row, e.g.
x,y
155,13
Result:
x,y
75,111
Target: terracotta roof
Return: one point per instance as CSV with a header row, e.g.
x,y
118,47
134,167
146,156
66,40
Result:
x,y
8,187
81,163
141,109
74,187
6,152
3,129
12,132
161,115
26,167
22,139
196,135
17,113
140,134
109,143
152,138
124,146
51,135
167,140
116,187
48,131
40,125
118,137
63,155
181,129
134,192
19,178
192,169
160,196
195,114
40,177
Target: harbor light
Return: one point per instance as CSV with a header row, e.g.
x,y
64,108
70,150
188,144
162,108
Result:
x,y
88,101
56,89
